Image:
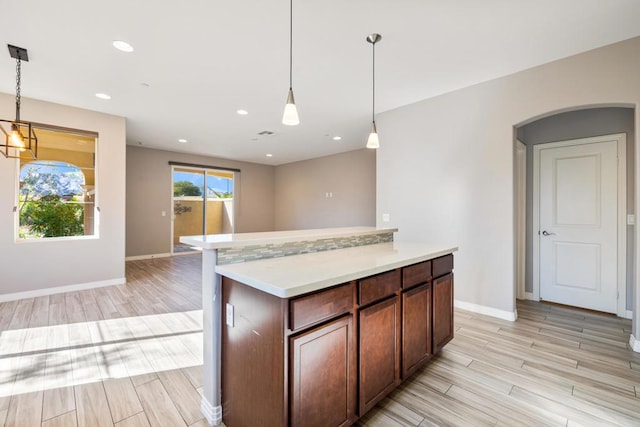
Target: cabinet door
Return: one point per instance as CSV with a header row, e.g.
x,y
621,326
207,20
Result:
x,y
416,328
442,311
323,375
379,351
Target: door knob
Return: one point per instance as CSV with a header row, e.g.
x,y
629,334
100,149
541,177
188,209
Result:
x,y
546,233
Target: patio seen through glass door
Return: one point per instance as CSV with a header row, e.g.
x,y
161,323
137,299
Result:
x,y
202,204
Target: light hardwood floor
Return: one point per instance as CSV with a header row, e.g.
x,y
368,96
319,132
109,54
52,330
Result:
x,y
131,355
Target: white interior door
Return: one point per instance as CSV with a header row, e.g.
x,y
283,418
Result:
x,y
578,226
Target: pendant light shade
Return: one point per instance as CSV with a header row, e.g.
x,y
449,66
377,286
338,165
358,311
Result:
x,y
290,116
373,142
20,140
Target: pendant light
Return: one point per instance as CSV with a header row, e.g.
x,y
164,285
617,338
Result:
x,y
290,116
20,139
373,141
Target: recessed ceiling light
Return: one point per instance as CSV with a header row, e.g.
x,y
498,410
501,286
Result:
x,y
103,96
269,155
242,112
337,138
182,140
123,46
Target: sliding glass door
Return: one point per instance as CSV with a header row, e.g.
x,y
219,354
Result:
x,y
202,203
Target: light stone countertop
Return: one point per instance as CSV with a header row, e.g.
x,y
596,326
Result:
x,y
218,241
290,276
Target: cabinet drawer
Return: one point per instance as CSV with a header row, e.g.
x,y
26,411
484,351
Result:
x,y
324,305
377,287
416,274
442,265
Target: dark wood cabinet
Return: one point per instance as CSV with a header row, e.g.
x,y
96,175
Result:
x,y
416,328
323,375
379,349
442,311
253,371
325,358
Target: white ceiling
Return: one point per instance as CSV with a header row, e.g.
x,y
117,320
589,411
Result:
x,y
203,59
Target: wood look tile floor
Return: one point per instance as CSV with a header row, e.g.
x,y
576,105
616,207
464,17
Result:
x,y
122,356
555,366
131,355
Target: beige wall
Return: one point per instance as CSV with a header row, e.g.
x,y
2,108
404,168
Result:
x,y
41,265
290,196
447,174
149,193
302,187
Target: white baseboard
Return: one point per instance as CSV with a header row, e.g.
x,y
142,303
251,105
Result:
x,y
528,296
150,256
634,344
487,311
61,289
211,413
628,314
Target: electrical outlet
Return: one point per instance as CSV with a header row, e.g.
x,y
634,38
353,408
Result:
x,y
631,219
386,217
230,315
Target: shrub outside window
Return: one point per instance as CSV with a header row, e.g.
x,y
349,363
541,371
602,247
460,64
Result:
x,y
56,194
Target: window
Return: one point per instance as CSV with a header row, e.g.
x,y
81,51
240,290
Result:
x,y
57,192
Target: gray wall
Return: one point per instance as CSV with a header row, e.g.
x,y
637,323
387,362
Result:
x,y
574,125
149,194
302,187
446,173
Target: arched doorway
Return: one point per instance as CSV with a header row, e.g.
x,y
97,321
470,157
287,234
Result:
x,y
578,123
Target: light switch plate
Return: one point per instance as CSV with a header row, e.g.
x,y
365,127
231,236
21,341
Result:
x,y
631,219
385,217
229,315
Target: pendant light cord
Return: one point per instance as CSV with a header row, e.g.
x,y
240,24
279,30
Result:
x,y
18,81
290,44
373,114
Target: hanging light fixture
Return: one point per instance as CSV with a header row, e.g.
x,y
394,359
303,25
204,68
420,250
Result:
x,y
373,141
290,116
20,139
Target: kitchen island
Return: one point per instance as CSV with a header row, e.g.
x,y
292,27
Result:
x,y
317,338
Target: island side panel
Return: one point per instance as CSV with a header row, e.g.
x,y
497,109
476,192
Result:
x,y
211,406
253,357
